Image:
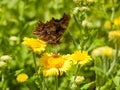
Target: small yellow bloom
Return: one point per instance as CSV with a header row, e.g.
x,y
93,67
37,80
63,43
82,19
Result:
x,y
117,21
22,77
108,51
55,64
80,57
108,25
103,51
35,44
114,35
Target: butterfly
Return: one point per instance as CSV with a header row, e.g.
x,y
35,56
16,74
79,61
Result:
x,y
52,30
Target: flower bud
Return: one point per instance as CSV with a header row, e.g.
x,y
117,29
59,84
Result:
x,y
5,58
76,9
22,77
103,51
2,64
114,36
86,23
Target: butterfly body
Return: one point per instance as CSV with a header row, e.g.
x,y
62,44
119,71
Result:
x,y
52,30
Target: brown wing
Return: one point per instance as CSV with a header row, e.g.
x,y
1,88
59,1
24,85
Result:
x,y
52,30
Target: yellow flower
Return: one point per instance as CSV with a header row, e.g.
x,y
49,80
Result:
x,y
103,51
80,57
55,64
114,35
22,77
108,25
35,44
117,21
108,51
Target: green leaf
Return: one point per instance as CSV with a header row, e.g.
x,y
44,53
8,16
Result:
x,y
118,73
99,70
86,86
116,80
18,71
117,88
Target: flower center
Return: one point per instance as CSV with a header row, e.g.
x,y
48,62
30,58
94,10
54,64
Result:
x,y
56,61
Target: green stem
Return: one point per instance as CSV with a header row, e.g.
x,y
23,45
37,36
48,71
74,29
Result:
x,y
113,11
56,82
78,25
115,59
40,84
45,85
104,63
98,63
75,43
81,35
96,75
4,87
106,14
34,59
2,77
76,74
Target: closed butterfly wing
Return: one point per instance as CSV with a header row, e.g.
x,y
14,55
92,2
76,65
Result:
x,y
52,30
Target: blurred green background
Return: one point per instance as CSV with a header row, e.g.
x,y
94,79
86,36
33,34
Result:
x,y
18,19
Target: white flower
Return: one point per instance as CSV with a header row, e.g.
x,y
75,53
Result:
x,y
73,86
5,58
86,23
90,1
84,8
76,1
103,51
76,9
97,24
78,79
2,64
13,38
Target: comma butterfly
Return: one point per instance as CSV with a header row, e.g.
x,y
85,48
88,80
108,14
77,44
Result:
x,y
52,30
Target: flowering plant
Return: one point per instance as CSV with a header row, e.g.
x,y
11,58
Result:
x,y
59,45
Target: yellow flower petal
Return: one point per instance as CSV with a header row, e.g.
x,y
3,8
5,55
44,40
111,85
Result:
x,y
35,44
81,57
114,35
55,64
103,51
117,21
22,77
108,25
